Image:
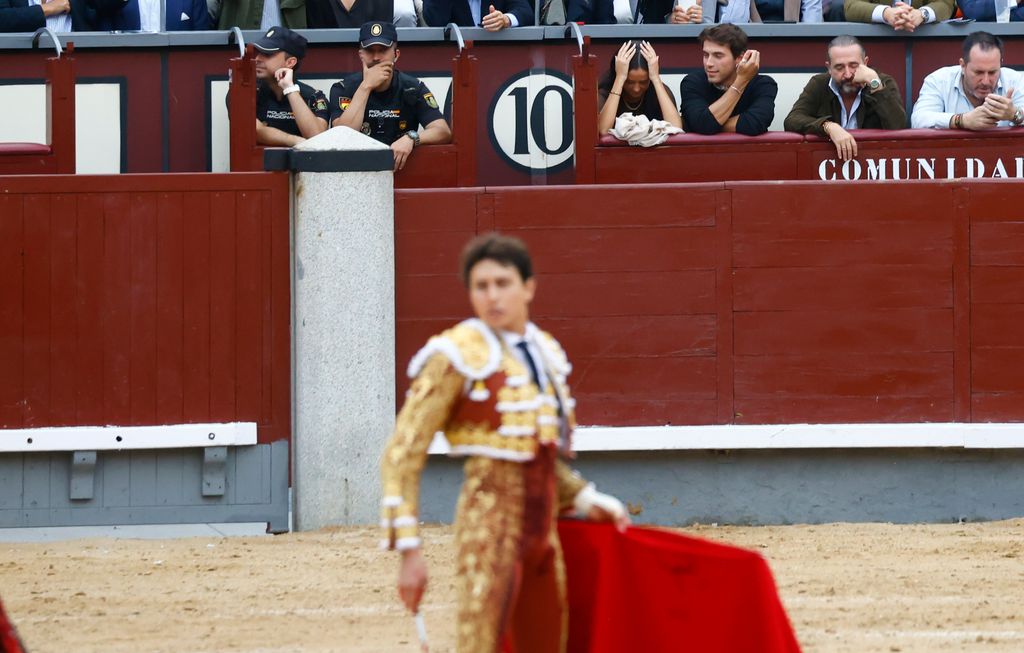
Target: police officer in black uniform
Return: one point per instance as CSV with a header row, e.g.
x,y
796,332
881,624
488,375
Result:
x,y
390,106
287,111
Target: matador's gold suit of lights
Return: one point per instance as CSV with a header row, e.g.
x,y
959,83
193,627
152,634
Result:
x,y
510,577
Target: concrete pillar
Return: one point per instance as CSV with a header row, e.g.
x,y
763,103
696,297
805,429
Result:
x,y
344,325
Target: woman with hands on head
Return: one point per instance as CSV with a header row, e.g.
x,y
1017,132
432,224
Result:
x,y
633,84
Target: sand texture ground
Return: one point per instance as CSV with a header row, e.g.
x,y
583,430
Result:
x,y
848,588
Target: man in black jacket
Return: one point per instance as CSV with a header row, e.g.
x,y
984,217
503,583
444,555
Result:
x,y
727,95
849,96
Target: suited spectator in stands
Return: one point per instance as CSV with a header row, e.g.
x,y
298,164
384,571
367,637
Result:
x,y
257,14
979,93
905,17
850,95
63,16
985,10
633,85
625,12
728,94
25,16
352,14
492,15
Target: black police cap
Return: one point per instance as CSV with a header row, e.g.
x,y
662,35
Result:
x,y
281,39
377,33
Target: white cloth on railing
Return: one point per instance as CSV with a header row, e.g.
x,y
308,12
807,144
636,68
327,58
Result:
x,y
642,131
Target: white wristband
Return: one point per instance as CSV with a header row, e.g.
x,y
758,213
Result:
x,y
294,88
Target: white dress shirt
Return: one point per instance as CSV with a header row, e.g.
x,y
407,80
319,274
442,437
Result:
x,y
847,121
942,96
530,336
59,23
475,8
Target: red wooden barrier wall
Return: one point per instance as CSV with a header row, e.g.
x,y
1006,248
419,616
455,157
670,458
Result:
x,y
145,300
751,302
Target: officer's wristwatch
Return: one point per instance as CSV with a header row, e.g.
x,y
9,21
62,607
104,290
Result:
x,y
414,135
875,84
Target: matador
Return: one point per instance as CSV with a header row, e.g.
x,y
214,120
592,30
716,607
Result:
x,y
496,386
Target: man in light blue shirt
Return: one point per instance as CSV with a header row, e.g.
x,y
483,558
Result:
x,y
978,94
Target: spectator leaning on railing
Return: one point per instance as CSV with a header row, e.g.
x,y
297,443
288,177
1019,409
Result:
x,y
633,85
727,95
287,111
492,15
333,14
385,104
900,16
978,94
257,14
610,12
850,95
63,16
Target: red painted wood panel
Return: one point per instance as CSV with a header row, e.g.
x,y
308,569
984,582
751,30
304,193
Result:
x,y
845,375
248,361
599,294
997,325
997,285
864,287
12,271
997,243
997,370
223,270
170,373
117,309
845,331
630,337
1000,407
610,206
652,249
196,306
143,244
145,300
850,410
91,310
63,316
36,302
782,226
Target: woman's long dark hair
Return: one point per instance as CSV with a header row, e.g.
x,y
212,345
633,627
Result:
x,y
638,62
649,105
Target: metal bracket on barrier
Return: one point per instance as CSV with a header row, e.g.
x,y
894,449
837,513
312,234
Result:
x,y
452,27
83,475
236,37
53,37
214,463
573,28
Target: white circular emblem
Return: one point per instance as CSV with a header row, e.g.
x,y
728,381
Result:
x,y
531,121
376,29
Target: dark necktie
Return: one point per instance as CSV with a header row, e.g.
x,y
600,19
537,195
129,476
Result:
x,y
521,346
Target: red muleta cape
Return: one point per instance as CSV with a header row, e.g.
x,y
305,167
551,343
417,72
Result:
x,y
652,590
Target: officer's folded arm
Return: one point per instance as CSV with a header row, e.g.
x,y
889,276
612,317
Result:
x,y
436,133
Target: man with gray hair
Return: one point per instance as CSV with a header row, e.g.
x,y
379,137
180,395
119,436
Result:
x,y
850,95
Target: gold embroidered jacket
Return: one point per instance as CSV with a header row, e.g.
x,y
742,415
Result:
x,y
469,386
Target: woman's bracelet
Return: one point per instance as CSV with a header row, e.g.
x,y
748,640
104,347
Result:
x,y
738,91
614,93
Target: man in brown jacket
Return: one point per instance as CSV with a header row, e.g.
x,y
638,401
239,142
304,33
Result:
x,y
849,96
901,16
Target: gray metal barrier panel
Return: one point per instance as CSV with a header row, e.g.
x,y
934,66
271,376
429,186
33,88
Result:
x,y
166,486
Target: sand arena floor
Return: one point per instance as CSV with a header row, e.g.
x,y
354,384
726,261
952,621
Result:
x,y
853,588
